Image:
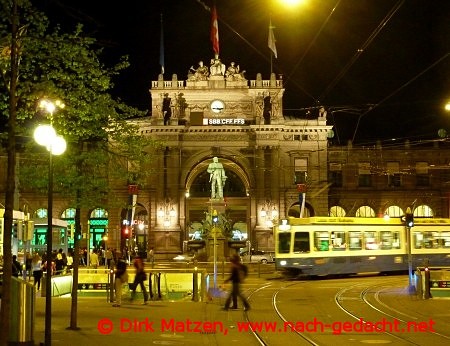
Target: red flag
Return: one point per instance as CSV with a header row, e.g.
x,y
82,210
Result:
x,y
214,31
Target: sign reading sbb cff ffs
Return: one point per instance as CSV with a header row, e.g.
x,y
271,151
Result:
x,y
223,121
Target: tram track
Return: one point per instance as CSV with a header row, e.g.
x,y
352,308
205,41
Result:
x,y
406,328
362,300
261,335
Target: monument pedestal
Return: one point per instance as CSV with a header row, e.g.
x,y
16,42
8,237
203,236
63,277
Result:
x,y
221,247
217,204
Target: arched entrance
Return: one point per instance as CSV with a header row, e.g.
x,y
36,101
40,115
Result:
x,y
294,210
235,193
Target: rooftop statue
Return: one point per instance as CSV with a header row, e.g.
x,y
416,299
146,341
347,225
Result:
x,y
233,73
200,73
217,68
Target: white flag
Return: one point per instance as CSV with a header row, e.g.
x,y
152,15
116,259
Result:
x,y
271,41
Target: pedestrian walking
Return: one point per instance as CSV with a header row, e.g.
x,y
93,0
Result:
x,y
36,267
139,279
27,273
151,257
108,258
238,273
120,280
16,267
93,260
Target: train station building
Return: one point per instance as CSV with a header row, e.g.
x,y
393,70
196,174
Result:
x,y
276,166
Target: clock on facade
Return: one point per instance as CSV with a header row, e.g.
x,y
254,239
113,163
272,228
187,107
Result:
x,y
217,106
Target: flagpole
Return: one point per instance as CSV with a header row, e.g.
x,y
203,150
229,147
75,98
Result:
x,y
271,57
271,53
161,47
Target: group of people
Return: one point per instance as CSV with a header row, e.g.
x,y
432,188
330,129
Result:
x,y
98,257
237,275
121,278
34,265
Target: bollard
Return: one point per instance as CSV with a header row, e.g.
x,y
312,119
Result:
x,y
419,288
22,314
158,278
150,285
111,285
427,293
195,285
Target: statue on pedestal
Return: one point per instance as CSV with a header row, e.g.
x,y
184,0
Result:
x,y
217,178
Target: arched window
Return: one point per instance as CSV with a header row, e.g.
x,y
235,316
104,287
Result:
x,y
69,213
41,213
394,211
99,213
423,211
337,211
365,211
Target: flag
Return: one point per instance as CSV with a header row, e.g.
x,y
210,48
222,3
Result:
x,y
161,47
214,31
271,41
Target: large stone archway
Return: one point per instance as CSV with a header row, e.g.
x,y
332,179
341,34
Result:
x,y
236,197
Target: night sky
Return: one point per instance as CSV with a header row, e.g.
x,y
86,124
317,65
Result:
x,y
383,62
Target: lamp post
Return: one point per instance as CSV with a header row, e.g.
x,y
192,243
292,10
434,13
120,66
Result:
x,y
46,135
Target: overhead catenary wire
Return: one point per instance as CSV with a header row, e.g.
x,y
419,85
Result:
x,y
313,41
445,56
361,50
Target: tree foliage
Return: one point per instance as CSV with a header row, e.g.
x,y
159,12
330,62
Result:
x,y
101,142
102,145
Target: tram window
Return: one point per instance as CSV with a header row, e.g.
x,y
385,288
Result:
x,y
355,239
321,241
418,240
338,241
386,240
446,239
284,242
396,240
301,242
430,240
371,240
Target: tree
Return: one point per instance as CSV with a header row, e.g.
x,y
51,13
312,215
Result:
x,y
9,53
102,143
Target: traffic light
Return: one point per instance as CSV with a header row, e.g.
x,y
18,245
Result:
x,y
215,217
125,231
409,220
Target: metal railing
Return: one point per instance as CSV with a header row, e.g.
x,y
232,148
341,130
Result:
x,y
432,282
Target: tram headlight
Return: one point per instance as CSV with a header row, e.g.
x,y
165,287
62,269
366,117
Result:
x,y
283,263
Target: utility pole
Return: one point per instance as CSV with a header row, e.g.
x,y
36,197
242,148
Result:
x,y
409,223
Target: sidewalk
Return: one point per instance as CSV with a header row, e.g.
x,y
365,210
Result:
x,y
159,322
183,322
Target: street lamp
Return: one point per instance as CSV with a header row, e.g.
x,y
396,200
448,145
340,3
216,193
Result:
x,y
45,135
